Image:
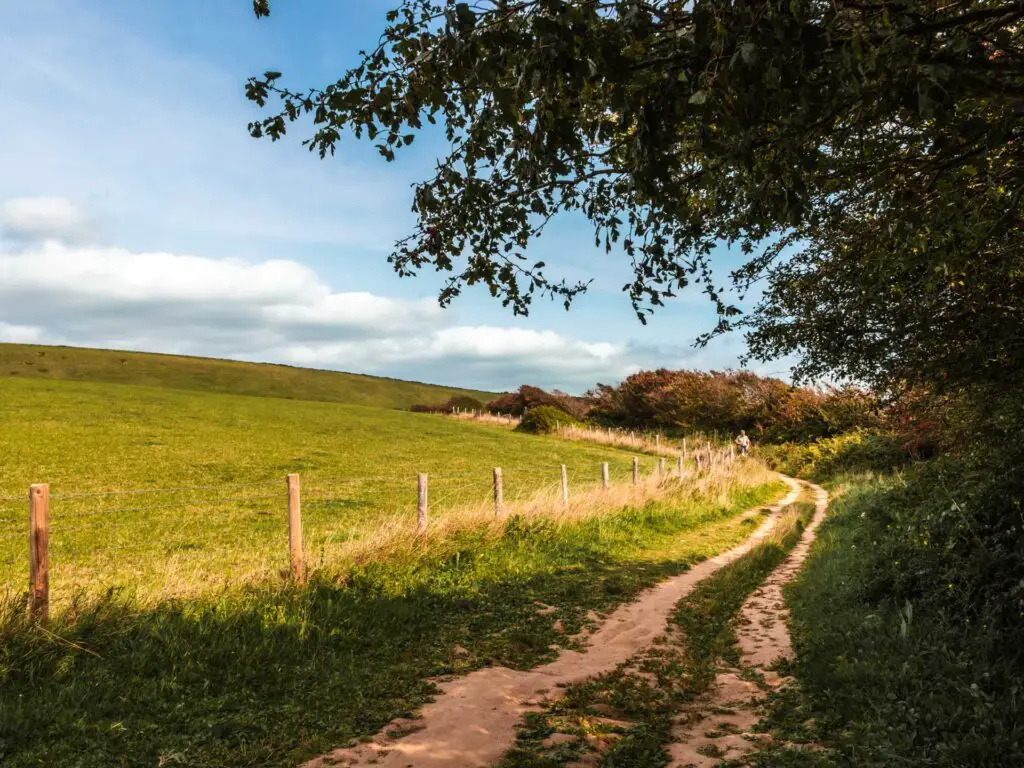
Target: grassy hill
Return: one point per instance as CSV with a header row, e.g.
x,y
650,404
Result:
x,y
212,375
196,480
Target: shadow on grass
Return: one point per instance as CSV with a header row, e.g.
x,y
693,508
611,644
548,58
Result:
x,y
270,676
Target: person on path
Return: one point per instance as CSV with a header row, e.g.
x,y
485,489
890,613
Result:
x,y
743,443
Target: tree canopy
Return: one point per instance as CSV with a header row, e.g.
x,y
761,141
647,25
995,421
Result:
x,y
865,156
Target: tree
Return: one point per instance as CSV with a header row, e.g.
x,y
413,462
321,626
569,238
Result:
x,y
866,156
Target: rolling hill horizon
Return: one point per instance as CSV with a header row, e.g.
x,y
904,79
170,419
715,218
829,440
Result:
x,y
192,372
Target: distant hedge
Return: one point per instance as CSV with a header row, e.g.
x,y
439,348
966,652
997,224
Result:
x,y
462,402
544,419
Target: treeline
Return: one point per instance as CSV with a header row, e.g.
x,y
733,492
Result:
x,y
698,401
769,409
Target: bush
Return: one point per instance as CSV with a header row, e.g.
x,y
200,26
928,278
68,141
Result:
x,y
545,419
527,397
856,451
769,409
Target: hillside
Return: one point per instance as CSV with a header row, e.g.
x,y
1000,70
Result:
x,y
141,472
213,375
174,629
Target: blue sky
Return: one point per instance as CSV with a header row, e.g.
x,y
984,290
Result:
x,y
136,212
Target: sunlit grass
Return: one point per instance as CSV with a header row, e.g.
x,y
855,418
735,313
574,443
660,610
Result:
x,y
174,637
170,493
270,674
207,374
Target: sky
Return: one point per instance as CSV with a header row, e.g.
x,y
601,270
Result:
x,y
136,212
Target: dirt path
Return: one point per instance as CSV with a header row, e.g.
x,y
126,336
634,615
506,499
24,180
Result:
x,y
473,722
717,728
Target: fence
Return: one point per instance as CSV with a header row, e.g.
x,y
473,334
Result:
x,y
289,500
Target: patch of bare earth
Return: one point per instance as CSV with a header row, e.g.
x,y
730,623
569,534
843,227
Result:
x,y
717,728
473,721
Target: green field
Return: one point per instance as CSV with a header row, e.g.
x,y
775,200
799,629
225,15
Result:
x,y
270,676
211,375
196,482
175,639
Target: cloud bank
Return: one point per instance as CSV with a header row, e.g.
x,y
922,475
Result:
x,y
56,287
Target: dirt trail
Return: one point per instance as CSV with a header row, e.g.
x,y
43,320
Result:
x,y
717,729
473,722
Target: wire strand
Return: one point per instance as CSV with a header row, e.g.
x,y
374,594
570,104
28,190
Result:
x,y
142,491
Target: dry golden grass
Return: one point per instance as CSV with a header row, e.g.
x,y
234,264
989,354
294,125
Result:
x,y
642,442
190,574
659,445
396,536
483,417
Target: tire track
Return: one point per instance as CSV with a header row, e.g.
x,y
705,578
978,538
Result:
x,y
473,721
718,728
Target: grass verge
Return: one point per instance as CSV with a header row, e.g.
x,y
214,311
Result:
x,y
625,718
894,667
267,676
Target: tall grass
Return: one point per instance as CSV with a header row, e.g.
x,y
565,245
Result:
x,y
716,485
483,417
656,444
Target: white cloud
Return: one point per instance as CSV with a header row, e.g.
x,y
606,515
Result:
x,y
170,170
20,334
112,288
279,310
44,218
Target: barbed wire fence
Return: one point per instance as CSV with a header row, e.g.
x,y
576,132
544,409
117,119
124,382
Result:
x,y
87,523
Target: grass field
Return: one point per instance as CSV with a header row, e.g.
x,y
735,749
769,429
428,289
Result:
x,y
270,675
174,639
221,461
211,375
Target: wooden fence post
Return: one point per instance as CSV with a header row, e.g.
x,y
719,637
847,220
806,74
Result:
x,y
604,475
684,449
298,564
679,462
657,441
661,467
636,471
565,487
39,552
421,506
499,492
